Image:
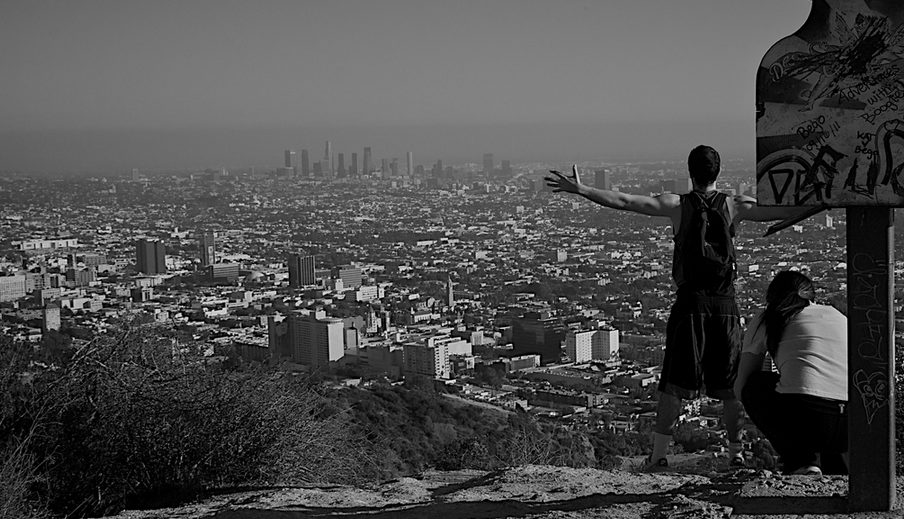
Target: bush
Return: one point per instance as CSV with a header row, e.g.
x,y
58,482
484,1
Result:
x,y
468,453
19,470
18,477
693,438
524,442
139,418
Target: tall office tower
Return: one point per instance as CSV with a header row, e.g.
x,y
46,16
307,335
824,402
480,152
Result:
x,y
430,359
450,294
351,276
506,168
207,247
340,166
51,317
290,158
384,167
394,167
301,271
370,320
305,164
538,333
605,344
353,169
368,164
410,160
602,180
151,256
328,158
488,165
314,339
136,176
579,345
437,170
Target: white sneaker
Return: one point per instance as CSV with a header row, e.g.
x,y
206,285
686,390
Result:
x,y
808,470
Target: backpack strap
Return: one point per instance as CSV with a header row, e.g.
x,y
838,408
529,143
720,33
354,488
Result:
x,y
717,202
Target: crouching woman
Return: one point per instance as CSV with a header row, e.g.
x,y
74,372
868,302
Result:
x,y
801,408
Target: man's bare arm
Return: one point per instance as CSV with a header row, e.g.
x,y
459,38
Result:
x,y
746,208
663,205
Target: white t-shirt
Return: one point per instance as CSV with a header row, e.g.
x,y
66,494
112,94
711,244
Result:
x,y
812,354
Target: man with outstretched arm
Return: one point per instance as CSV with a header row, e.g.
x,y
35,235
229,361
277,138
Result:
x,y
703,334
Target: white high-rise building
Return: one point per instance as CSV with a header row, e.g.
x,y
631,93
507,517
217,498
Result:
x,y
453,345
579,345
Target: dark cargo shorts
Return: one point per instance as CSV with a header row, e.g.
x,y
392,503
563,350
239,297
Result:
x,y
702,346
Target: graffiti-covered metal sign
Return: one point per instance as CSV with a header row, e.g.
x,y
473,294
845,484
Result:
x,y
830,109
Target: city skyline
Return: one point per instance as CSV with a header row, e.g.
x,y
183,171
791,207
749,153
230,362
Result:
x,y
167,85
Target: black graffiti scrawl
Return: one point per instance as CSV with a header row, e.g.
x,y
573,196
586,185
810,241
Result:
x,y
830,118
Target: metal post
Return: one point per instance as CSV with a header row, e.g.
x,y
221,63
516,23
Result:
x,y
871,357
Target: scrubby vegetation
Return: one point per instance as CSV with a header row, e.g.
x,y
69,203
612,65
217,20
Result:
x,y
419,429
139,417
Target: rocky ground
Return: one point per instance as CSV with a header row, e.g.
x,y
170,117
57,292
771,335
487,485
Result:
x,y
694,488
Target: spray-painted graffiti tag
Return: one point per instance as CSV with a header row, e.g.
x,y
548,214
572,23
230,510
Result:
x,y
831,107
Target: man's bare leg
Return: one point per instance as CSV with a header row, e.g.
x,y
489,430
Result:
x,y
667,411
731,417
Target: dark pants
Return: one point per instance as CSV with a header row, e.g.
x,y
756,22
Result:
x,y
702,345
805,430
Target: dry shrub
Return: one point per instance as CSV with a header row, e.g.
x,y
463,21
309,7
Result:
x,y
19,475
19,468
139,418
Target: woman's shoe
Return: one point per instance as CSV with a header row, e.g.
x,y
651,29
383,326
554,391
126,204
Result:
x,y
808,470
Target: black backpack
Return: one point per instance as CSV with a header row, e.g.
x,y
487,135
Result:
x,y
704,247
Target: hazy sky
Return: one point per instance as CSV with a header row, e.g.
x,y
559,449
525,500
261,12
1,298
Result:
x,y
154,82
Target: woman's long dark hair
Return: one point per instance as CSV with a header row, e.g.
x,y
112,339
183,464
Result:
x,y
786,296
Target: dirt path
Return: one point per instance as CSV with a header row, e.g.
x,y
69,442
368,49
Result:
x,y
542,492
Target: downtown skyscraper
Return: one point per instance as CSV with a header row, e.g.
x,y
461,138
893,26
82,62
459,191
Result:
x,y
340,164
150,256
602,180
301,271
328,160
207,247
368,162
305,164
488,164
